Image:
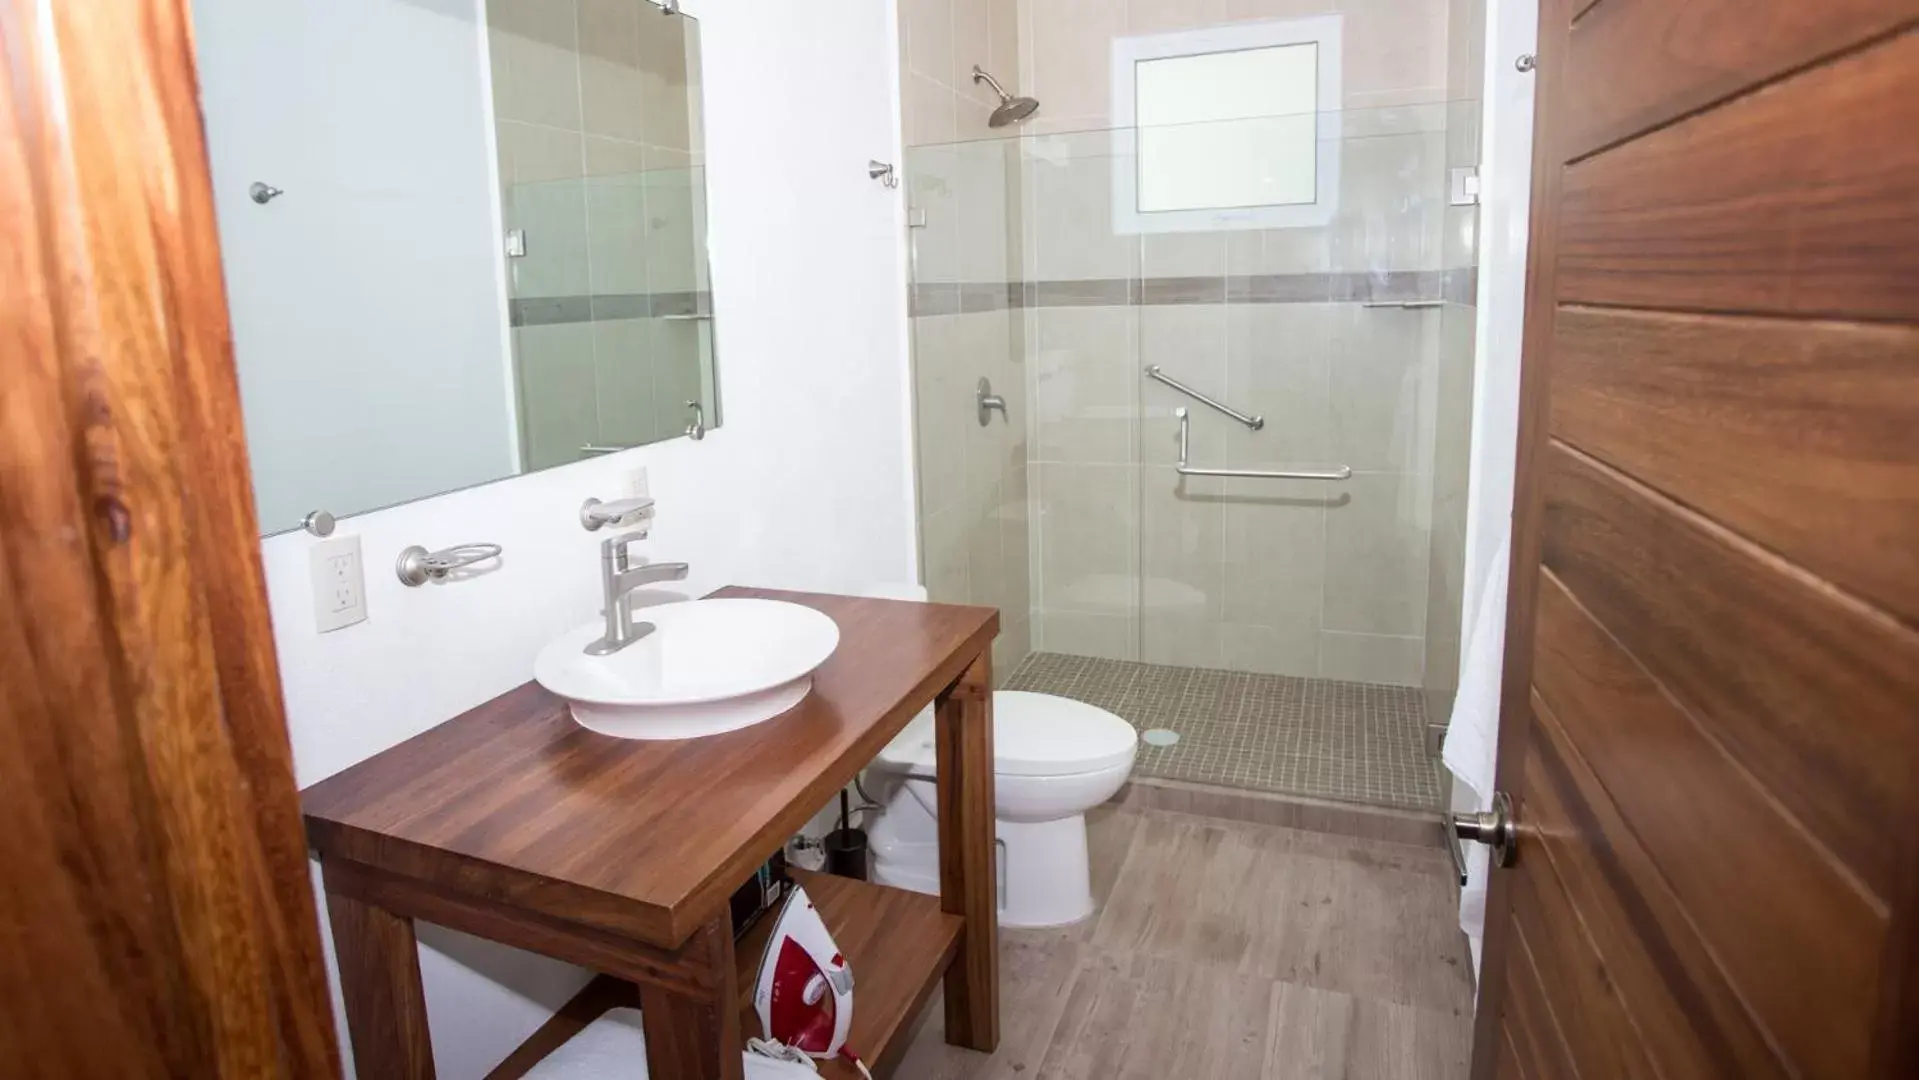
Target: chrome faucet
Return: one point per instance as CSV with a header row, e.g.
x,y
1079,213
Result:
x,y
618,579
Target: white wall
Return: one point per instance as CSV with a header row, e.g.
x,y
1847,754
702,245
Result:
x,y
366,303
808,485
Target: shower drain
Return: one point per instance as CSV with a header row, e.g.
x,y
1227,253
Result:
x,y
1160,736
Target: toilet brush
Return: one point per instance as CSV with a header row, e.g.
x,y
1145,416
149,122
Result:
x,y
846,846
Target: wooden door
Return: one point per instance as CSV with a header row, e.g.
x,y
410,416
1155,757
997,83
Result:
x,y
155,913
1711,709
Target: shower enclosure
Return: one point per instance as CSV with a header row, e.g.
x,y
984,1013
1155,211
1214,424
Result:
x,y
1249,562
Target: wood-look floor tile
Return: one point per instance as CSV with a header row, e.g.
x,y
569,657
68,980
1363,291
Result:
x,y
1228,949
1372,919
1037,969
1327,1035
1134,1016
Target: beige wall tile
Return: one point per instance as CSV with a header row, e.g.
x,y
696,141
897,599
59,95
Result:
x,y
616,221
1392,203
1269,650
614,157
540,154
1181,548
983,348
670,257
1274,553
1382,380
1111,637
973,44
543,73
1376,556
1193,254
624,352
1277,368
1371,658
1089,538
1072,46
943,544
928,111
1011,648
926,27
676,375
1072,234
666,105
1086,394
557,391
943,409
1002,45
980,176
611,85
985,552
553,215
1017,540
1395,50
1189,341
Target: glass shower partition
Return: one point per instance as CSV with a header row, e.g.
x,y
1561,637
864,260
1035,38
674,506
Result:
x,y
611,308
1277,624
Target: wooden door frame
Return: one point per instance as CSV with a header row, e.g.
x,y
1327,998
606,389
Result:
x,y
1515,709
157,866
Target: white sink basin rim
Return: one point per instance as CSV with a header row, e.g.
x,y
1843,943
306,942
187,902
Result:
x,y
709,666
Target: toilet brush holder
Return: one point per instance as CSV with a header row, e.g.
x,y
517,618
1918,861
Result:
x,y
846,853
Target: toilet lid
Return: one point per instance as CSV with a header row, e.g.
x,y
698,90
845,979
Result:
x,y
1033,735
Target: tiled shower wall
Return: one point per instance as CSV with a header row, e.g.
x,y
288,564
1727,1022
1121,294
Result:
x,y
1465,66
973,480
1124,559
595,106
1285,577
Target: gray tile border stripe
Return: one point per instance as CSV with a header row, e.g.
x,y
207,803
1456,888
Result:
x,y
606,307
954,298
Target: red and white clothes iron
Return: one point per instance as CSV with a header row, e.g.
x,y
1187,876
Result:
x,y
804,995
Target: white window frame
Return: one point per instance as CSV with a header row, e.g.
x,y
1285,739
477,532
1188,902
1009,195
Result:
x,y
1324,31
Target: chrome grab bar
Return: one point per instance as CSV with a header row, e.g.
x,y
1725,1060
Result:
x,y
1344,472
1403,303
1154,373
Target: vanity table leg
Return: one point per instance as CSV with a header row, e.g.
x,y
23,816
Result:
x,y
380,981
691,1038
969,882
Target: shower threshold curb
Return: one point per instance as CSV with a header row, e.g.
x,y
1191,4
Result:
x,y
1416,828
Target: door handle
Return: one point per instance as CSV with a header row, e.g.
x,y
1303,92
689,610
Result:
x,y
1496,828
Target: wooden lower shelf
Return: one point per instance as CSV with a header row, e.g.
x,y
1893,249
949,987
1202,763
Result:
x,y
898,943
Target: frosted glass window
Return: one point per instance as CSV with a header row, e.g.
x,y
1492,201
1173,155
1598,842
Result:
x,y
1228,129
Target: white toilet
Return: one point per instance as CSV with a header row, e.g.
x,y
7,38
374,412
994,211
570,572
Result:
x,y
1053,760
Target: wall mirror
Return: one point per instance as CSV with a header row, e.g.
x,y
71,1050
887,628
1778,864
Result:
x,y
462,239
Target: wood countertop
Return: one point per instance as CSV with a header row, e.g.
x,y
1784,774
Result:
x,y
517,803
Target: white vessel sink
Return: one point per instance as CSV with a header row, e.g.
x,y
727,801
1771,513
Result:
x,y
709,666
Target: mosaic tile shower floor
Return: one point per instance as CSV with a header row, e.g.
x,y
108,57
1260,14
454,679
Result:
x,y
1354,742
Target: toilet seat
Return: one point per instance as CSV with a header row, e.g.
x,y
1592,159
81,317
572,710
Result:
x,y
1033,735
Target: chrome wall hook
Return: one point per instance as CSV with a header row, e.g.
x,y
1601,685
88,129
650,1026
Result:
x,y
263,193
696,429
884,173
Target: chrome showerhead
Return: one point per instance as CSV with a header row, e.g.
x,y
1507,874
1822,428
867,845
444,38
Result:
x,y
1011,109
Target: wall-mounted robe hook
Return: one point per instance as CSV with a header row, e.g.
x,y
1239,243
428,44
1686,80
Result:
x,y
884,173
263,193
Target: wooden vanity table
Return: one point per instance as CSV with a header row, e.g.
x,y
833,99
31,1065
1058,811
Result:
x,y
513,823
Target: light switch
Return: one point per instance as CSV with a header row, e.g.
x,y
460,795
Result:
x,y
339,585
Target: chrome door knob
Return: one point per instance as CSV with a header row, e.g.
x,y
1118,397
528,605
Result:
x,y
1496,828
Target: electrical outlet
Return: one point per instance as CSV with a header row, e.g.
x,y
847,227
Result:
x,y
636,483
339,586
